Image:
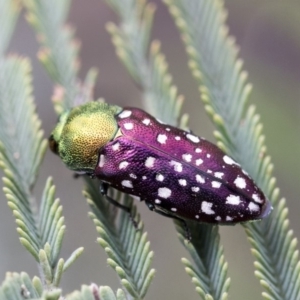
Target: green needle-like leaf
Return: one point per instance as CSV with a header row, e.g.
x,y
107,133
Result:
x,y
51,222
58,272
72,258
224,90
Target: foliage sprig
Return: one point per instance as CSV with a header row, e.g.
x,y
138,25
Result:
x,y
225,91
131,39
59,52
126,246
41,230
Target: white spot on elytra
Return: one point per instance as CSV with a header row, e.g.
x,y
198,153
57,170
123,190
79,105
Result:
x,y
200,178
233,200
102,161
206,208
228,160
182,182
133,176
208,155
215,184
174,209
229,218
257,199
199,161
240,182
144,177
198,150
127,183
168,129
218,218
209,171
157,201
123,165
187,157
197,216
177,166
159,177
161,138
177,138
219,175
193,138
150,162
146,122
116,146
125,114
253,207
195,189
128,126
164,192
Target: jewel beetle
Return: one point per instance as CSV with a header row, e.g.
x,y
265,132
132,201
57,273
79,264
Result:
x,y
175,172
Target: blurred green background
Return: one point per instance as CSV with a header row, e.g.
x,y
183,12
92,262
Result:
x,y
268,33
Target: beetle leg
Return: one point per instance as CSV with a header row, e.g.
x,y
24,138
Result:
x,y
165,214
104,189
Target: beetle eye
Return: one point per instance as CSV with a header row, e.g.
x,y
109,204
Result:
x,y
53,145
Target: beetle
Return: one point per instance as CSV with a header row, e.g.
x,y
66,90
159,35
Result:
x,y
175,172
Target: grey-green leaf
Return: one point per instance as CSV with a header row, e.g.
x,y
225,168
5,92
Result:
x,y
21,147
208,268
120,238
20,128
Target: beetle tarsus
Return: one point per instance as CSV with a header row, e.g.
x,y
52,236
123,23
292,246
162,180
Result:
x,y
104,190
187,231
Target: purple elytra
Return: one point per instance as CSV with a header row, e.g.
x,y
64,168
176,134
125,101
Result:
x,y
178,172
